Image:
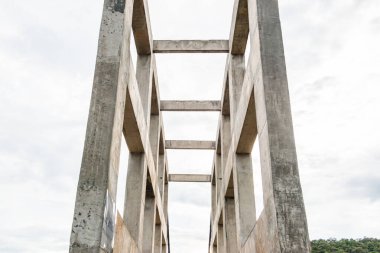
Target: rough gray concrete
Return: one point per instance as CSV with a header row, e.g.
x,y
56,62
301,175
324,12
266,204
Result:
x,y
190,46
195,105
254,106
221,246
263,110
92,228
123,240
189,178
239,28
187,144
230,225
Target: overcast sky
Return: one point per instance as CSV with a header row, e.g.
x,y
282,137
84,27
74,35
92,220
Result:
x,y
47,58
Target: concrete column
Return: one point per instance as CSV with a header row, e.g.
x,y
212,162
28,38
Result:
x,y
219,175
230,225
157,239
134,208
221,248
161,174
164,248
213,198
154,138
236,78
144,76
94,214
166,198
244,196
281,184
149,224
244,212
135,195
226,139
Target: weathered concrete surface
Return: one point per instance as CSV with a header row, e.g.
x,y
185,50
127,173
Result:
x,y
120,103
254,107
221,246
157,239
189,178
230,225
190,46
262,109
281,183
123,240
141,27
149,224
244,197
135,196
141,122
187,144
195,105
239,27
100,161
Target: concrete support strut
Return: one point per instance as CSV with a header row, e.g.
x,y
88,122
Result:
x,y
199,178
201,106
254,107
190,46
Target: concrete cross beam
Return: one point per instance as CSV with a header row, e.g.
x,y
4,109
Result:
x,y
189,178
190,46
186,144
187,106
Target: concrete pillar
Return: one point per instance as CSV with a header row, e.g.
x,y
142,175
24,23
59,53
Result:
x,y
94,214
149,224
221,247
144,76
154,138
213,197
134,196
166,192
244,196
236,78
245,213
164,248
281,184
161,176
157,239
219,174
134,208
230,225
226,139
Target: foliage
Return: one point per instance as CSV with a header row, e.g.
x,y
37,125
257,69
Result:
x,y
366,245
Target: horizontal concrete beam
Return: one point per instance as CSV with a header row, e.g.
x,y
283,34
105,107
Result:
x,y
182,144
190,105
190,46
189,178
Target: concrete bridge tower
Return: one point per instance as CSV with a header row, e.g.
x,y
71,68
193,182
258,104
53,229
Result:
x,y
254,106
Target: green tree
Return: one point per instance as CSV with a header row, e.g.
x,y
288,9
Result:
x,y
365,245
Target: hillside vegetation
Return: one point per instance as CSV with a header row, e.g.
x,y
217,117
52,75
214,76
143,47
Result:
x,y
366,245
